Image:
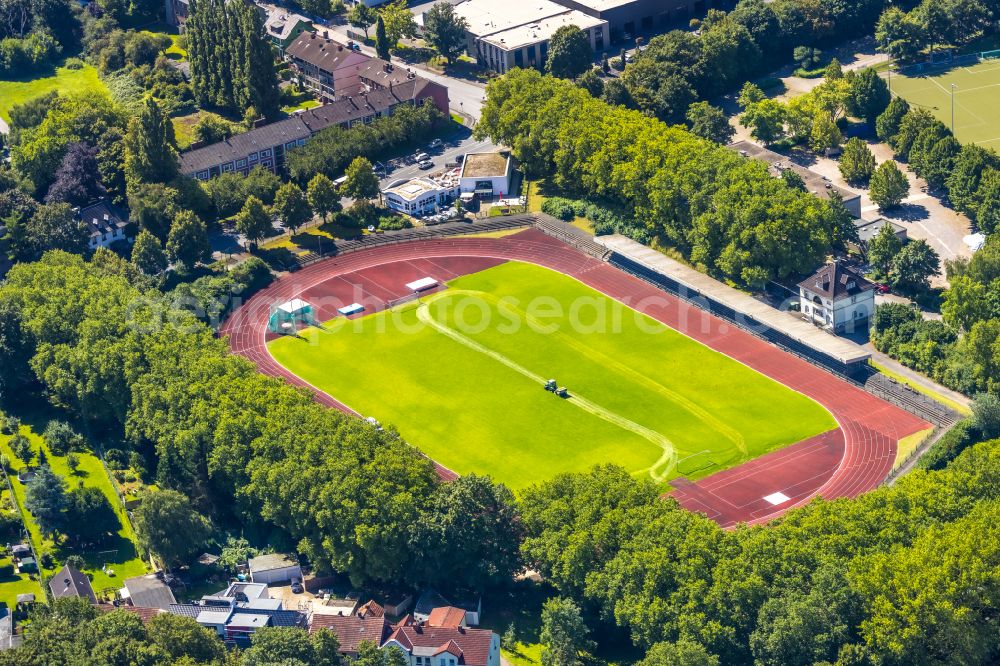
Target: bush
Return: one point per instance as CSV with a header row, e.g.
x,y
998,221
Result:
x,y
9,424
115,459
560,208
46,560
942,452
393,223
73,63
21,447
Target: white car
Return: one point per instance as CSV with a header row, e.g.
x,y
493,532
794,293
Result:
x,y
425,164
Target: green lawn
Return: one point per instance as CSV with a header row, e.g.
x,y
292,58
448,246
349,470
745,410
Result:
x,y
468,391
977,94
66,81
13,584
119,554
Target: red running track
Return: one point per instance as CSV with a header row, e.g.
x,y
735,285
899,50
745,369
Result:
x,y
844,462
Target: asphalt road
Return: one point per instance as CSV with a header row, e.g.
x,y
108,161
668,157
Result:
x,y
460,144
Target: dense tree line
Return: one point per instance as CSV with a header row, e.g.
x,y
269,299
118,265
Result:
x,y
963,350
330,151
847,582
907,35
726,213
242,446
681,67
232,63
33,33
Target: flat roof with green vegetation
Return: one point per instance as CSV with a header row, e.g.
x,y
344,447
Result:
x,y
977,96
461,376
67,81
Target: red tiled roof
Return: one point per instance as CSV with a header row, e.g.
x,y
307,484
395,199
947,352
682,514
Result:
x,y
446,616
145,614
351,629
370,609
473,645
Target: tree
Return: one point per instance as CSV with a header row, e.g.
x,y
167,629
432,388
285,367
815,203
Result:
x,y
766,120
167,525
899,35
888,185
262,91
45,498
964,180
51,227
153,206
833,70
709,122
72,462
857,162
445,30
382,45
362,16
477,518
592,82
569,53
211,128
869,95
78,180
291,207
793,179
60,437
913,266
986,414
807,57
398,21
825,134
89,516
148,255
187,243
253,221
883,248
682,653
292,645
361,181
750,94
887,123
149,152
235,553
564,634
21,446
988,195
323,196
181,637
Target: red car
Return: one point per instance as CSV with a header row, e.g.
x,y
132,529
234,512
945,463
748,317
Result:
x,y
881,288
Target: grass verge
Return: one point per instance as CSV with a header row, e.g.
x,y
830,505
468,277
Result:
x,y
63,79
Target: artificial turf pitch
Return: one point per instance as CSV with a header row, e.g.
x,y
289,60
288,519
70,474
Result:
x,y
460,375
977,96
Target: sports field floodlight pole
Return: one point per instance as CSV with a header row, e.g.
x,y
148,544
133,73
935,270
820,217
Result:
x,y
953,108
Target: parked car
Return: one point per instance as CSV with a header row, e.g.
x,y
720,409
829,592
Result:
x,y
881,288
425,164
421,157
296,586
437,143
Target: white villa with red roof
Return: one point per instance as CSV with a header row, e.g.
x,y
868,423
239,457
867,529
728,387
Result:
x,y
446,646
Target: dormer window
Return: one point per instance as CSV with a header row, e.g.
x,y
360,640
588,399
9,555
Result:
x,y
850,285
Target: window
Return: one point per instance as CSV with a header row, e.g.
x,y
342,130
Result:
x,y
265,153
241,163
253,157
227,167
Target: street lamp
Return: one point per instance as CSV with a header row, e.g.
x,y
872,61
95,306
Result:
x,y
953,108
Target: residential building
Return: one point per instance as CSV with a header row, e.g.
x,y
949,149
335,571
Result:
x,y
238,611
325,66
263,146
274,568
517,33
487,175
105,223
447,617
145,614
176,12
147,592
71,582
351,630
267,145
837,298
815,183
446,646
431,599
420,196
283,26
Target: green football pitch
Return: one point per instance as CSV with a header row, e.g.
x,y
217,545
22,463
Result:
x,y
461,375
977,98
